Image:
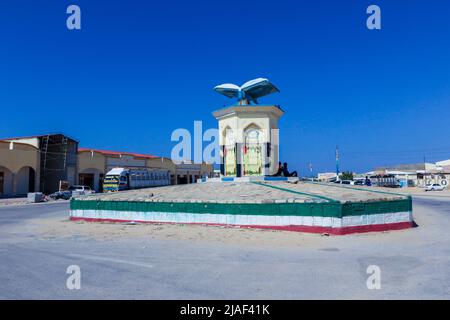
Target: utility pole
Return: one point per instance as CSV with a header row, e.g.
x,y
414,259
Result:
x,y
337,163
425,171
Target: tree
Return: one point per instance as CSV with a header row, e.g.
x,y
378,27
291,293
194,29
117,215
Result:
x,y
347,175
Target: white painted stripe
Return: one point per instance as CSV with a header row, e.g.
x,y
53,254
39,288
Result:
x,y
263,220
382,218
113,260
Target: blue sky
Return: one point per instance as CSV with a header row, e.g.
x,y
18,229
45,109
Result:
x,y
140,69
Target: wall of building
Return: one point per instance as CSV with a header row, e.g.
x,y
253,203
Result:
x,y
191,172
443,163
32,141
57,162
18,164
91,165
124,161
91,160
165,164
207,169
431,178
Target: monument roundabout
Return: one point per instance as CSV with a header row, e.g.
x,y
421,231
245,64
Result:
x,y
250,192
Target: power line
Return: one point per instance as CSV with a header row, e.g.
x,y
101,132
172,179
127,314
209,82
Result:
x,y
419,151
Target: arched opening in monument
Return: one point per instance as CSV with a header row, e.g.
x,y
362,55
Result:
x,y
25,180
229,152
253,152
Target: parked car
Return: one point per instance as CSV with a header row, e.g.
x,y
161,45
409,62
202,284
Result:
x,y
65,195
359,183
348,182
82,190
434,187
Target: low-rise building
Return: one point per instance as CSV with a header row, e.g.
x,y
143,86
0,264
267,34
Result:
x,y
419,174
443,163
191,172
36,163
41,163
19,168
93,164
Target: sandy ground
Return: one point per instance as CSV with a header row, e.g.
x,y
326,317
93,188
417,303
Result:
x,y
245,192
24,201
64,228
13,201
50,228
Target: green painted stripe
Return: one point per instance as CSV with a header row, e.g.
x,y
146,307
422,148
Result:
x,y
328,209
372,207
268,209
296,192
376,207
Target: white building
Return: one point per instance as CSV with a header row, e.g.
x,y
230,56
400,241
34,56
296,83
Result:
x,y
443,163
419,174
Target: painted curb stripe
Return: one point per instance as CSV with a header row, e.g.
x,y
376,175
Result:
x,y
334,209
256,209
184,217
331,217
275,179
307,229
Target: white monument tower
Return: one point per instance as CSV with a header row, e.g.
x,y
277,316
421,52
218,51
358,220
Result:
x,y
248,132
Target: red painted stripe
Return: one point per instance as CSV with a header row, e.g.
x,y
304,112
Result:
x,y
296,228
